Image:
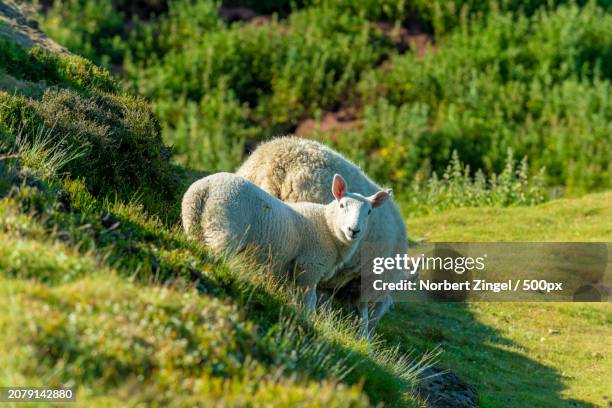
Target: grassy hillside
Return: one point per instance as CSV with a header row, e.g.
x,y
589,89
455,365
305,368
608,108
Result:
x,y
99,295
518,354
99,287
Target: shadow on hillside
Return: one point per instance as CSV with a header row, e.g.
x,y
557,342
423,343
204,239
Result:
x,y
518,381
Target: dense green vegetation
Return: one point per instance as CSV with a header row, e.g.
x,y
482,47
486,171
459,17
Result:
x,y
107,136
532,76
538,85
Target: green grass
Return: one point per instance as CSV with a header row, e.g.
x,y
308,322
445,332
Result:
x,y
570,219
105,320
99,287
126,344
126,308
505,349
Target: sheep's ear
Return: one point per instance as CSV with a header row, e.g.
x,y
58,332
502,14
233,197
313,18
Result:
x,y
380,197
338,187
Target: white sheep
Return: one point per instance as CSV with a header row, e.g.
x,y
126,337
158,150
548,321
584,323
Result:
x,y
295,169
227,213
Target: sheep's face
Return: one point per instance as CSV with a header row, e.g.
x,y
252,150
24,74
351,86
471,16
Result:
x,y
352,210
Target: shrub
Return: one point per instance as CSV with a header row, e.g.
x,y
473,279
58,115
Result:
x,y
92,29
55,103
284,71
36,65
118,137
185,22
209,136
538,86
459,188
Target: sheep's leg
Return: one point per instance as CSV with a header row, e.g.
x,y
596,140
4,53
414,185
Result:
x,y
310,297
379,311
365,316
307,277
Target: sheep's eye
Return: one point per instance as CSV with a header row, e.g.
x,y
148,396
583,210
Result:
x,y
341,205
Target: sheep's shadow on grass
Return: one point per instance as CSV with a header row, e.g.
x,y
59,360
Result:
x,y
505,378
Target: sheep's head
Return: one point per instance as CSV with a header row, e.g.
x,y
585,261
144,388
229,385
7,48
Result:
x,y
351,211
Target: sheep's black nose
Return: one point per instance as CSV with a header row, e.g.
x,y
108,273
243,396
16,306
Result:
x,y
354,232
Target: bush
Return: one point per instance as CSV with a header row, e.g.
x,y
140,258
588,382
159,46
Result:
x,y
121,152
56,102
283,71
211,135
35,65
530,76
92,29
458,188
538,86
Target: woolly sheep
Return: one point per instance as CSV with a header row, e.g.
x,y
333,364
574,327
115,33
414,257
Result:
x,y
227,213
295,169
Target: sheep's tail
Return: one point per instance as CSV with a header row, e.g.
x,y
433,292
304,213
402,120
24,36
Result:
x,y
193,208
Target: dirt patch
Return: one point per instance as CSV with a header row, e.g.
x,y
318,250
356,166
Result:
x,y
245,14
19,27
332,124
409,37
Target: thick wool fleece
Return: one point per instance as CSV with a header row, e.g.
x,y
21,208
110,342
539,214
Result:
x,y
295,169
227,213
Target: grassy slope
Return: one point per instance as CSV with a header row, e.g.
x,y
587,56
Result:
x,y
95,292
505,349
134,312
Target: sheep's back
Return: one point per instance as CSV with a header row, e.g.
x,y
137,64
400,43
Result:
x,y
232,213
295,169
